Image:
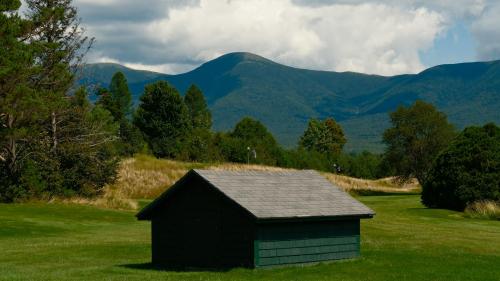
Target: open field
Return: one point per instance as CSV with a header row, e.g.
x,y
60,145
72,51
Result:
x,y
147,177
405,241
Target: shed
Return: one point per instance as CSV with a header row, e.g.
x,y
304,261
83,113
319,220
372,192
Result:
x,y
220,219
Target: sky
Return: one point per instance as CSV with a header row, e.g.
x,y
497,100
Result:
x,y
384,37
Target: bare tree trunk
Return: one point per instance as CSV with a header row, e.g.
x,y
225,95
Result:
x,y
11,157
54,131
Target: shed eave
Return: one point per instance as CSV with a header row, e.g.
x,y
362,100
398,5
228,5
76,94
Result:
x,y
313,218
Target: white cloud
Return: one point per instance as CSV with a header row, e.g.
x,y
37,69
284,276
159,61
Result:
x,y
371,38
486,30
161,68
374,36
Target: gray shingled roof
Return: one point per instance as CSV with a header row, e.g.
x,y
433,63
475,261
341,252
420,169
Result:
x,y
276,194
285,194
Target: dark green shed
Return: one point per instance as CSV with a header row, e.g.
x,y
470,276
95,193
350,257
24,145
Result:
x,y
217,219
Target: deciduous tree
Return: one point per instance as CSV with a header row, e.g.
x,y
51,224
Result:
x,y
324,137
468,170
418,133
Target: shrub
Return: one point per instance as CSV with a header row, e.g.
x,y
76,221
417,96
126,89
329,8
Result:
x,y
467,171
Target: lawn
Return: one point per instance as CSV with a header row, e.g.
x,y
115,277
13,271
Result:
x,y
405,241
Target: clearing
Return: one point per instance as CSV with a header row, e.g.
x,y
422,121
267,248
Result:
x,y
405,241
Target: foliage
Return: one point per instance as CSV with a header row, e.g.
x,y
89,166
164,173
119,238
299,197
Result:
x,y
199,114
302,159
163,118
52,142
417,135
283,98
365,165
118,101
199,145
20,105
249,141
467,171
323,137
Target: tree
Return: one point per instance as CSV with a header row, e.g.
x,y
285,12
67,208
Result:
x,y
324,137
118,101
468,170
49,138
249,135
120,97
163,118
199,145
417,135
197,107
86,158
60,45
20,105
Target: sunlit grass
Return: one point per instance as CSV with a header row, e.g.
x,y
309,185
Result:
x,y
404,241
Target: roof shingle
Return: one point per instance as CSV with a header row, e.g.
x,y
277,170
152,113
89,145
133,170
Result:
x,y
285,194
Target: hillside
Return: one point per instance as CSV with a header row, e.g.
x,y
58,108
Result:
x,y
284,98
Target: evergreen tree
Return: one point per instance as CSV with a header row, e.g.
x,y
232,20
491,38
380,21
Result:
x,y
417,135
163,118
198,110
60,46
199,144
20,105
118,101
324,137
52,142
120,96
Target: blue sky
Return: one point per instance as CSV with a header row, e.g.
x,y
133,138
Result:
x,y
384,37
455,45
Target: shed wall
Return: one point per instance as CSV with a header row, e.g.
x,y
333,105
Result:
x,y
304,242
201,228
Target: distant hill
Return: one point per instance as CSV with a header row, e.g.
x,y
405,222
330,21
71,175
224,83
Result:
x,y
284,98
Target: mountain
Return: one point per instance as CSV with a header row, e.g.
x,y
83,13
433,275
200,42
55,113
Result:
x,y
284,98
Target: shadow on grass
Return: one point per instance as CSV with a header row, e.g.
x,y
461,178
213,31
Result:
x,y
155,267
381,193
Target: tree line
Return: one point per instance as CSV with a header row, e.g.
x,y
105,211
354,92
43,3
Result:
x,y
179,127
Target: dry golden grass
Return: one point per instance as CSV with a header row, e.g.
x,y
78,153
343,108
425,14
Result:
x,y
147,177
363,186
486,209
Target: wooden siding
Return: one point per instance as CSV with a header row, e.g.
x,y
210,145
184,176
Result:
x,y
304,242
201,228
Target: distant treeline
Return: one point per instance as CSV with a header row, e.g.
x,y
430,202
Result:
x,y
168,124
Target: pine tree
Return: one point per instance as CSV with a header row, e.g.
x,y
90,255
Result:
x,y
163,118
120,96
20,105
60,45
198,110
118,101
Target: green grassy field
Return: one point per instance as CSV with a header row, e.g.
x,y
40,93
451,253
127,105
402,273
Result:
x,y
405,241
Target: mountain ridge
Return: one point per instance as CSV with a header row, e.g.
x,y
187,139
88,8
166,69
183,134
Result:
x,y
284,98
